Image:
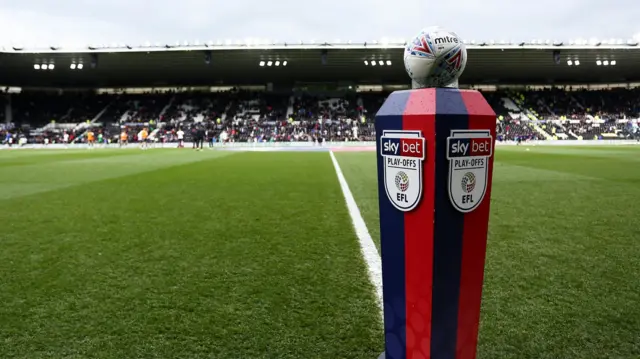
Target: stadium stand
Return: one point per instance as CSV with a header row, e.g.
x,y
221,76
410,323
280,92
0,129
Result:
x,y
585,114
287,116
40,108
135,108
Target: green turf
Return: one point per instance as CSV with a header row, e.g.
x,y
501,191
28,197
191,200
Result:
x,y
179,254
563,261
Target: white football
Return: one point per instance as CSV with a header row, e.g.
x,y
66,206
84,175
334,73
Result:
x,y
435,58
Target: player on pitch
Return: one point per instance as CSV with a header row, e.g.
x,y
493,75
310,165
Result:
x,y
199,137
143,138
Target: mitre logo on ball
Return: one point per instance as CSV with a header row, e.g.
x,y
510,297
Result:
x,y
435,58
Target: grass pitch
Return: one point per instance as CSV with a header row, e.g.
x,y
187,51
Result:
x,y
178,254
563,260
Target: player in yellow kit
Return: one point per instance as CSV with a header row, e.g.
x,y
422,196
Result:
x,y
124,138
143,138
91,138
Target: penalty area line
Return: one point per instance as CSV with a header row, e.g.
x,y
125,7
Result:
x,y
367,247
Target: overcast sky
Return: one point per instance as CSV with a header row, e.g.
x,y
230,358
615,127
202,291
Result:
x,y
82,22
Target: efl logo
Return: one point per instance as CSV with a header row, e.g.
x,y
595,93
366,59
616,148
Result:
x,y
468,152
402,154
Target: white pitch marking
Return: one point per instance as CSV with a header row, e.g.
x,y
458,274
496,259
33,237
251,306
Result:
x,y
367,247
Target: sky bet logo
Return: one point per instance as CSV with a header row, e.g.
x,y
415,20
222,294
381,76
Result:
x,y
469,147
404,147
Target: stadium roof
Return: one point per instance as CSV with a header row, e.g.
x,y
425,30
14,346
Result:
x,y
175,65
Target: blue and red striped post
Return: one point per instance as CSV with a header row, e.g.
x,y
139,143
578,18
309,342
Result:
x,y
435,164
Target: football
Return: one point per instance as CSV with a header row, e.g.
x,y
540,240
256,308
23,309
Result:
x,y
436,57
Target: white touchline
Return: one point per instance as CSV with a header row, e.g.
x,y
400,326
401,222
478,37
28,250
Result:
x,y
367,247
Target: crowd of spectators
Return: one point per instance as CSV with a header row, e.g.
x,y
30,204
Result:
x,y
584,113
270,117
